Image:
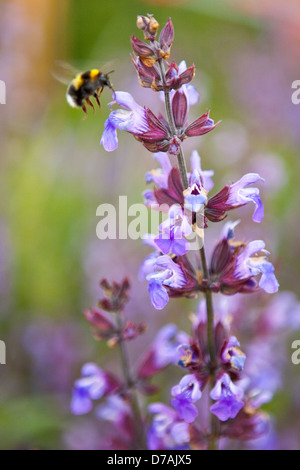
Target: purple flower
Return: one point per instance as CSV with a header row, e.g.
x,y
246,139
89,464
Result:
x,y
115,410
232,354
171,189
173,194
253,261
182,74
234,265
249,424
166,431
154,132
195,194
131,119
205,175
163,351
172,240
229,399
158,294
149,199
234,196
166,345
148,264
176,76
92,386
166,273
168,277
240,195
185,394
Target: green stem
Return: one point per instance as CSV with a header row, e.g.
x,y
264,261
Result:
x,y
208,294
180,156
210,312
129,382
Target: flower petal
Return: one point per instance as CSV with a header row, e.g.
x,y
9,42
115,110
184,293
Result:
x,y
179,108
109,138
158,294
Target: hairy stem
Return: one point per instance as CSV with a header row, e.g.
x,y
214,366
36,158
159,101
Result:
x,y
180,156
208,294
129,382
209,310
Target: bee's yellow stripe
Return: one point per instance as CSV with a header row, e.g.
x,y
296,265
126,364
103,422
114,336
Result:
x,y
94,73
78,81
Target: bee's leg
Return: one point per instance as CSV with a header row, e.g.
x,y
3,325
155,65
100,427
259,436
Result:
x,y
97,99
90,103
85,110
100,91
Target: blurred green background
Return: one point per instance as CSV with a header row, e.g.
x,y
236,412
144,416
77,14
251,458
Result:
x,y
54,174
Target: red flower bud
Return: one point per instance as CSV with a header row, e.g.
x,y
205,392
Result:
x,y
166,36
141,48
99,319
179,109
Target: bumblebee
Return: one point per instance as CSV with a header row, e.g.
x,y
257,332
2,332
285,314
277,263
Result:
x,y
84,86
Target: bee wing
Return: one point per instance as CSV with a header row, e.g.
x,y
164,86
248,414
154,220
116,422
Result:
x,y
64,72
107,67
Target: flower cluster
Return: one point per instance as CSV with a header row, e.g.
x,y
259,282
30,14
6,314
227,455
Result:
x,y
114,398
232,395
235,266
157,133
212,357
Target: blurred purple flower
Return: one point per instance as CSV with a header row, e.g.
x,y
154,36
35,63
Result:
x,y
163,351
160,175
94,384
185,394
55,350
229,398
264,365
117,411
167,431
281,314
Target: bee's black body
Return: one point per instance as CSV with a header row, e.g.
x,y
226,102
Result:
x,y
85,85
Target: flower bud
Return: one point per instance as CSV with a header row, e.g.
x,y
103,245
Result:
x,y
179,108
149,77
165,39
99,320
141,48
153,25
148,25
142,22
116,295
